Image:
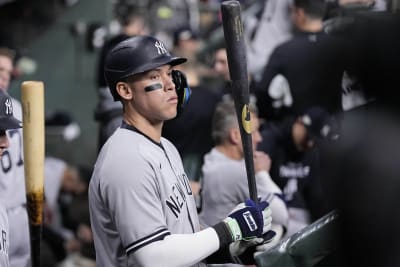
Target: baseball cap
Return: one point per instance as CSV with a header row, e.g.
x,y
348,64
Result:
x,y
319,123
183,34
7,120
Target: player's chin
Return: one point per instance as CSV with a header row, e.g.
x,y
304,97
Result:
x,y
170,113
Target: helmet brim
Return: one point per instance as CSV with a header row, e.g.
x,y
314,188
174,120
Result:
x,y
157,62
8,122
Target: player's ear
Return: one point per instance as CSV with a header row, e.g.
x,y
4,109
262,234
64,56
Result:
x,y
124,90
234,136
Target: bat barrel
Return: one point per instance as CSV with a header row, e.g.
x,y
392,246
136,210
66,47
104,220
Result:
x,y
233,32
32,96
236,53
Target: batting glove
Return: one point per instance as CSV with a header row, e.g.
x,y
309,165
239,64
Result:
x,y
242,252
249,220
269,243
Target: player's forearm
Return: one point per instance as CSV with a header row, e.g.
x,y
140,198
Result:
x,y
178,249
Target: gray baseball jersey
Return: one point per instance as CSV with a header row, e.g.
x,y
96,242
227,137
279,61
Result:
x,y
13,196
224,185
3,237
12,177
138,194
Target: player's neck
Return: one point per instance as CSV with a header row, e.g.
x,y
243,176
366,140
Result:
x,y
229,151
152,130
311,25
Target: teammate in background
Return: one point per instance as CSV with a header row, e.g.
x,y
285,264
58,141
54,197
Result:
x,y
224,183
141,205
12,177
221,68
109,113
7,122
311,64
295,164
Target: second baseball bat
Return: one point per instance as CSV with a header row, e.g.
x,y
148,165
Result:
x,y
235,48
32,96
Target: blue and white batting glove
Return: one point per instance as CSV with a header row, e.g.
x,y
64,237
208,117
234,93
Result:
x,y
249,220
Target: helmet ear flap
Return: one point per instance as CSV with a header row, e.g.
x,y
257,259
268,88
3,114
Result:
x,y
182,89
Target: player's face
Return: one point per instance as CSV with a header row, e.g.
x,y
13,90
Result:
x,y
301,138
6,67
221,64
154,95
255,132
4,143
298,17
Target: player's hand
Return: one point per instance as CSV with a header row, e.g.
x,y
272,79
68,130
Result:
x,y
262,162
268,242
242,252
249,220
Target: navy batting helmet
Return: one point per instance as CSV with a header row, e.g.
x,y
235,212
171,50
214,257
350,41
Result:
x,y
136,55
7,120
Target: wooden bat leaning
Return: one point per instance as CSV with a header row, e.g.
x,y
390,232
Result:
x,y
235,46
32,96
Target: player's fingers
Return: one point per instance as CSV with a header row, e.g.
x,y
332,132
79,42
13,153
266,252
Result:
x,y
267,226
267,212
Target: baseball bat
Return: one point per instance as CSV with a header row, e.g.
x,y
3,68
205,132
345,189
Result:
x,y
32,96
235,48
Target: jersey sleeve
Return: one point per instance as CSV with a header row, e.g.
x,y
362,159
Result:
x,y
132,197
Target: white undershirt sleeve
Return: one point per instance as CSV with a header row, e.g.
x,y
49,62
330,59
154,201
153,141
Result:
x,y
177,250
264,181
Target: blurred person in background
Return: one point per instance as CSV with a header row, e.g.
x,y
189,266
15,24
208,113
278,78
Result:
x,y
81,251
67,235
7,122
168,16
293,147
224,178
309,67
187,43
221,69
269,27
12,176
363,174
108,113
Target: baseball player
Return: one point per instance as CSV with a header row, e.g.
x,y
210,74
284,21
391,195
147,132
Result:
x,y
12,177
7,122
141,205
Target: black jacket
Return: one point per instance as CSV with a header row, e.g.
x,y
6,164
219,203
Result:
x,y
295,172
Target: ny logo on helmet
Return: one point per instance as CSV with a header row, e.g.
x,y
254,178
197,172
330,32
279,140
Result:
x,y
8,105
160,48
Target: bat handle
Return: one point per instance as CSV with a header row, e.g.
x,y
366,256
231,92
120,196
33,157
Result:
x,y
36,233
